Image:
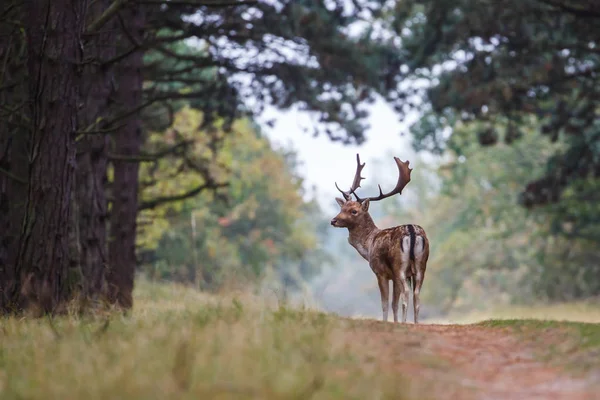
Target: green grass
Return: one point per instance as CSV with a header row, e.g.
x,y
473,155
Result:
x,y
576,312
179,343
573,345
588,333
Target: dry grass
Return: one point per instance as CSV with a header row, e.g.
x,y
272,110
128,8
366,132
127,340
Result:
x,y
574,312
182,344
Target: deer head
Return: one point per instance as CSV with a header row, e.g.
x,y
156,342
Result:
x,y
354,213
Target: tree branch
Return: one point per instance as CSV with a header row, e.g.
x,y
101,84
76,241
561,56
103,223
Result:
x,y
128,34
12,176
186,81
163,97
199,60
154,70
579,12
116,59
111,11
149,157
106,131
200,3
168,199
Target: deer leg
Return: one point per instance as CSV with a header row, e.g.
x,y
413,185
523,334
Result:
x,y
384,290
417,283
404,294
396,298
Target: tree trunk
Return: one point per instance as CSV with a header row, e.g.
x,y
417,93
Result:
x,y
8,230
92,158
53,29
127,141
16,202
13,152
7,276
91,207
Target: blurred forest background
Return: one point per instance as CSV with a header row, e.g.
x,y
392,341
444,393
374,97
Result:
x,y
129,146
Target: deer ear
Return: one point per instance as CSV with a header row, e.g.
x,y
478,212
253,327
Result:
x,y
365,205
341,202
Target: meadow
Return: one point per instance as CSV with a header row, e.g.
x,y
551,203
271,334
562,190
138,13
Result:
x,y
180,343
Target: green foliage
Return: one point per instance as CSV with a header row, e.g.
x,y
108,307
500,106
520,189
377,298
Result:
x,y
263,225
501,63
318,57
484,248
180,73
508,90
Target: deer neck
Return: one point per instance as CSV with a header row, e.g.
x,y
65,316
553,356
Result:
x,y
361,236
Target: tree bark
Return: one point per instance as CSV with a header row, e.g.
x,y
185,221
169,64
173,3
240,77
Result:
x,y
7,276
53,29
127,142
90,249
13,152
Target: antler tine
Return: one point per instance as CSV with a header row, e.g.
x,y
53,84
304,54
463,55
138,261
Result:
x,y
403,179
355,195
357,177
346,195
355,182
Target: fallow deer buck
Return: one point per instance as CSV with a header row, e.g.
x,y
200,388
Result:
x,y
397,254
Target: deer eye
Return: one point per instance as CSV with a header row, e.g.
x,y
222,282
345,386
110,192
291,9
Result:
x,y
354,212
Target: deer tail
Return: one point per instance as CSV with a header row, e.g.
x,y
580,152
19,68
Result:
x,y
413,239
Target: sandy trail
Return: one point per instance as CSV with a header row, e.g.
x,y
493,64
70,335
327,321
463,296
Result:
x,y
471,362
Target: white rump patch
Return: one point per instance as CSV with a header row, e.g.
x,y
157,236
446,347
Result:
x,y
405,249
419,243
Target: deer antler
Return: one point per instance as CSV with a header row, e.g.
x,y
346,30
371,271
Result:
x,y
403,179
355,182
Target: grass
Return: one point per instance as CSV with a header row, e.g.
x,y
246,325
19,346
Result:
x,y
574,346
588,334
575,311
179,343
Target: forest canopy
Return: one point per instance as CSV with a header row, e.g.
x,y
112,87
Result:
x,y
129,141
264,226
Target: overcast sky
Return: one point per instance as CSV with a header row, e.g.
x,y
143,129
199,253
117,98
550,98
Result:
x,y
324,162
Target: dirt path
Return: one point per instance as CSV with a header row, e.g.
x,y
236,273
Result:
x,y
471,362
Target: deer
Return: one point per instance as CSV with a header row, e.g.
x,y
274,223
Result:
x,y
399,253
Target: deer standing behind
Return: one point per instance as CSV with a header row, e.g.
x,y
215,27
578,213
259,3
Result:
x,y
398,254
